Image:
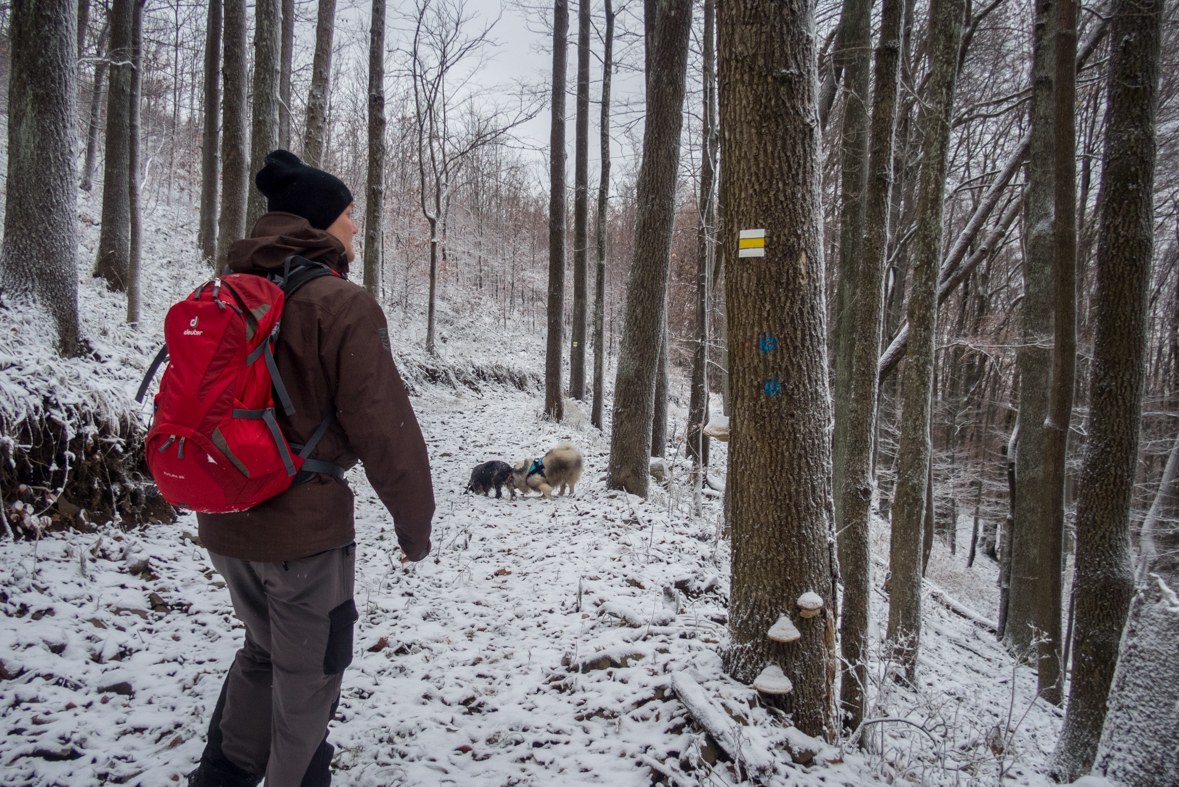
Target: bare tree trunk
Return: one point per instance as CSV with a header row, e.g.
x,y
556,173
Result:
x,y
83,21
234,164
705,239
554,400
1159,541
1064,356
284,74
603,207
210,160
264,119
431,347
315,134
659,408
1007,536
95,109
779,482
855,27
1030,561
580,206
113,239
135,244
1104,577
375,195
646,299
868,305
39,251
904,606
1138,742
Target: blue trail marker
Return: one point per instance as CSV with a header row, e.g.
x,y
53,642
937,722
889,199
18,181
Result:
x,y
768,344
773,388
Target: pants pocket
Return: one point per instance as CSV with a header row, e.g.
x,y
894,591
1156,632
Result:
x,y
338,654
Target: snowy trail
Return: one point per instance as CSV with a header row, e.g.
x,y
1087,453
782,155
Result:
x,y
536,645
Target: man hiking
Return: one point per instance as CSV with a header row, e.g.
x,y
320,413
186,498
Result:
x,y
289,562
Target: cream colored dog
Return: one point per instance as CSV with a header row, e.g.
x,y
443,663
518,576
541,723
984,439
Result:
x,y
560,469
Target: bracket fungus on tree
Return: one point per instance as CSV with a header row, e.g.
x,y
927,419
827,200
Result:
x,y
784,630
809,604
772,680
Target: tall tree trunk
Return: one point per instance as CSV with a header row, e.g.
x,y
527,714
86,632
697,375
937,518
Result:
x,y
234,164
779,484
315,135
1007,536
1064,354
284,74
853,54
135,245
603,207
904,606
868,305
39,251
659,406
114,237
375,194
1104,577
554,400
264,119
859,289
705,235
1030,559
580,206
431,347
207,235
95,109
646,292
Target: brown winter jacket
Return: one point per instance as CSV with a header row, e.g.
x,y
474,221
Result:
x,y
333,348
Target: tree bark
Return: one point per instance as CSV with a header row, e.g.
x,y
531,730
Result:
x,y
1064,354
1031,562
853,54
603,207
83,21
135,244
1138,741
868,306
95,108
375,194
39,251
779,481
904,606
234,164
697,442
315,135
580,206
114,237
1159,541
554,400
284,75
264,119
659,408
210,160
1104,578
646,298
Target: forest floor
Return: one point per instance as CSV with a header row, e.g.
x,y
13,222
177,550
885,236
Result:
x,y
538,644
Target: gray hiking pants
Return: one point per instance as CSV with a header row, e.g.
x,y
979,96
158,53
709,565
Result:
x,y
284,684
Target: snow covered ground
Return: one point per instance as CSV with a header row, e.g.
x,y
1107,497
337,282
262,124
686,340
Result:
x,y
539,644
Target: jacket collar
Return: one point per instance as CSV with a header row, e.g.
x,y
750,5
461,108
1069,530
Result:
x,y
278,235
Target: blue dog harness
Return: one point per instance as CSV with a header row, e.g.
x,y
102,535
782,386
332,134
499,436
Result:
x,y
536,469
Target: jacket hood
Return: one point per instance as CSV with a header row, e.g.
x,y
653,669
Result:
x,y
277,236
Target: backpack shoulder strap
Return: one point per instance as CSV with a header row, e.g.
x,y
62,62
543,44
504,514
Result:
x,y
297,271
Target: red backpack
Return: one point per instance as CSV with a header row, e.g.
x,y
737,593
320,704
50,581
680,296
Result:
x,y
214,444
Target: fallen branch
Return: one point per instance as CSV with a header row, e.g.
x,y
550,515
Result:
x,y
716,723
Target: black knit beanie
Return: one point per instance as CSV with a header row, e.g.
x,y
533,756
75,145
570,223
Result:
x,y
291,186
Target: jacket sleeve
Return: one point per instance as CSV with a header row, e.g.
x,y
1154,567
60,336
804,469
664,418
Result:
x,y
375,413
